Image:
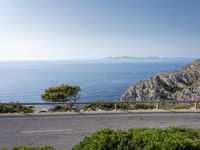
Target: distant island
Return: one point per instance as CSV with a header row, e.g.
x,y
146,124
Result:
x,y
175,85
151,58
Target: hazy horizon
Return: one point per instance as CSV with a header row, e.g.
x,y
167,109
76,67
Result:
x,y
99,59
93,29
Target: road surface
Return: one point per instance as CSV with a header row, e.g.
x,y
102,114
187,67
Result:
x,y
63,131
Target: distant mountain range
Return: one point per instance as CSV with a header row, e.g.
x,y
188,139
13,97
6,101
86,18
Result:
x,y
146,59
151,57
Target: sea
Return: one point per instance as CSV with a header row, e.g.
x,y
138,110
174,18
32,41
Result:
x,y
100,80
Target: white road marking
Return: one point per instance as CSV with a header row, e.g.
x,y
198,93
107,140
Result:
x,y
45,131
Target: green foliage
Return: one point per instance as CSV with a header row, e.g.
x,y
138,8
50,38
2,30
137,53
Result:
x,y
63,93
172,138
106,139
30,148
125,106
100,105
144,106
86,107
175,106
122,106
13,109
106,106
62,108
26,109
7,109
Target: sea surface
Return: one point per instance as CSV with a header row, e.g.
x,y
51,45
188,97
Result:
x,y
25,81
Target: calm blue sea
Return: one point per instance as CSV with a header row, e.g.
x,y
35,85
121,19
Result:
x,y
99,80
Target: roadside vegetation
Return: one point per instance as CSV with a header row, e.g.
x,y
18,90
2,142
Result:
x,y
176,105
119,106
64,108
103,106
171,138
71,94
15,109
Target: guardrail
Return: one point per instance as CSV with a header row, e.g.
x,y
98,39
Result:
x,y
157,103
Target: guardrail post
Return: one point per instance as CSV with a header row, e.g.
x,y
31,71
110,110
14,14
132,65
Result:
x,y
157,105
18,107
70,107
115,106
195,105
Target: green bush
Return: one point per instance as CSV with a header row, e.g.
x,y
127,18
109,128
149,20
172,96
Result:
x,y
62,108
173,138
13,109
7,109
122,106
175,106
100,105
26,109
144,106
105,106
89,107
170,138
30,148
106,139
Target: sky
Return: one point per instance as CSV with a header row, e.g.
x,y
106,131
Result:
x,y
93,29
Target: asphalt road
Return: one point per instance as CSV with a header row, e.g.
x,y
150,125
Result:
x,y
63,131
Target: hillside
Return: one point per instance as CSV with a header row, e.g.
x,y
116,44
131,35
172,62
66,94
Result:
x,y
176,85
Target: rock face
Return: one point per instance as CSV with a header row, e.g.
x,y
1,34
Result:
x,y
177,85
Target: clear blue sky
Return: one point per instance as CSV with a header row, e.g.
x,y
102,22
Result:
x,y
79,29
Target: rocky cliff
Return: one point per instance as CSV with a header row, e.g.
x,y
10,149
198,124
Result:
x,y
177,85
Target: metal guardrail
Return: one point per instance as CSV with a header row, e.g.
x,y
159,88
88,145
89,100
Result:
x,y
97,102
156,102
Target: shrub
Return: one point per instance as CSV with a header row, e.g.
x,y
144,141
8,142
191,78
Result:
x,y
105,106
26,109
62,108
175,106
89,107
100,105
144,106
124,106
30,148
172,138
7,109
13,109
106,139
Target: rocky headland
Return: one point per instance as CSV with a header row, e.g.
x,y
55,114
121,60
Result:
x,y
176,85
